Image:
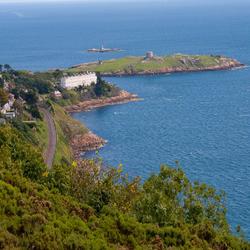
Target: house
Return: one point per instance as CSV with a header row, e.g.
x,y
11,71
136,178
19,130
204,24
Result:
x,y
7,109
70,82
10,114
57,94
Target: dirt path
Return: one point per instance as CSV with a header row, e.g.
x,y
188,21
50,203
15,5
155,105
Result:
x,y
51,149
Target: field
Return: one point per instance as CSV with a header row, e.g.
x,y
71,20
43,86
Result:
x,y
137,65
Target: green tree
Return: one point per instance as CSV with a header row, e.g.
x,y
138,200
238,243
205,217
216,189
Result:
x,y
7,67
3,97
171,199
16,149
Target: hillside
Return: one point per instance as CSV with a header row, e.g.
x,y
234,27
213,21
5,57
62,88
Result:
x,y
157,65
35,109
80,207
79,204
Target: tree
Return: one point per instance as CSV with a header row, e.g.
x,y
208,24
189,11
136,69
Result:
x,y
3,97
170,199
98,86
1,68
29,160
30,97
7,67
102,88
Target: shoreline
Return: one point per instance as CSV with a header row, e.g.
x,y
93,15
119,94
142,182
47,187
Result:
x,y
89,141
123,97
173,71
82,143
143,66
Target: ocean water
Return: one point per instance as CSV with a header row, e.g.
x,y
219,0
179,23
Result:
x,y
200,119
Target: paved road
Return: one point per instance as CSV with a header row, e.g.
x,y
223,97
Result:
x,y
51,148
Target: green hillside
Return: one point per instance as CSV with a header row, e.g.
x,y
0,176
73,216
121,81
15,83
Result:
x,y
81,207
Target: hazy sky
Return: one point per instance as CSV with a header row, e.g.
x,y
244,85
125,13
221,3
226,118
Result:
x,y
172,1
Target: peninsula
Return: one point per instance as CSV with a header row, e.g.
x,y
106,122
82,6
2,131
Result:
x,y
150,65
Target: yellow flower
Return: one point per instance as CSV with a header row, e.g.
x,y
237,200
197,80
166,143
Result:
x,y
119,170
74,164
45,174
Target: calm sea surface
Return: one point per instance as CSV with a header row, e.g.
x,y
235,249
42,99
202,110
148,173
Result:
x,y
200,119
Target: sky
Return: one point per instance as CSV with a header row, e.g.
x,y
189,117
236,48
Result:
x,y
172,1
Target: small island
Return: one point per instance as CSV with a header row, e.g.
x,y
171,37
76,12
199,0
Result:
x,y
103,50
151,64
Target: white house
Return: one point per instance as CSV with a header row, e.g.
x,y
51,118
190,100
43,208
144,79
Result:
x,y
7,109
57,94
70,82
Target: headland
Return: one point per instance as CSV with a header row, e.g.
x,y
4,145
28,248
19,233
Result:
x,y
153,65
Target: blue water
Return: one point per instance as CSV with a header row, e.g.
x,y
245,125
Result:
x,y
200,119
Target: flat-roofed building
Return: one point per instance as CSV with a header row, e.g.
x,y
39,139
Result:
x,y
70,82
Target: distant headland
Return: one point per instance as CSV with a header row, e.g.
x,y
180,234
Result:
x,y
151,64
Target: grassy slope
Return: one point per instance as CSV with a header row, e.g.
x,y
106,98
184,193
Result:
x,y
139,64
69,208
66,128
41,134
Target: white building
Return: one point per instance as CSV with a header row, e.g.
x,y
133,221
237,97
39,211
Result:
x,y
70,82
149,55
7,109
57,94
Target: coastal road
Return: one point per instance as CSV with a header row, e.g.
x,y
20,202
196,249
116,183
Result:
x,y
51,148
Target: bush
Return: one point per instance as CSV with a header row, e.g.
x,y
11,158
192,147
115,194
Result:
x,y
86,207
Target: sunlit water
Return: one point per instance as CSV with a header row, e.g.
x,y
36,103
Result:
x,y
200,119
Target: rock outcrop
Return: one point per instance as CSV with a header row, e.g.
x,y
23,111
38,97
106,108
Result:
x,y
123,97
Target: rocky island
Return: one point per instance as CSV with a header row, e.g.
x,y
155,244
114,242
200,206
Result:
x,y
150,65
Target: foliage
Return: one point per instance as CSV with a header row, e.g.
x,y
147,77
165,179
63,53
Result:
x,y
102,88
3,97
14,149
170,199
87,207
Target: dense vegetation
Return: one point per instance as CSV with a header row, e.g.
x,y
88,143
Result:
x,y
35,90
86,207
82,205
137,65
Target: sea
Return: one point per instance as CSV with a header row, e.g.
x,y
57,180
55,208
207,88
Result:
x,y
201,120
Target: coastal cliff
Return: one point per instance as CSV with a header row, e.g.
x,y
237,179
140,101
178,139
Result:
x,y
82,143
130,66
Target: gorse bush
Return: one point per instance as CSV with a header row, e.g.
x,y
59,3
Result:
x,y
85,207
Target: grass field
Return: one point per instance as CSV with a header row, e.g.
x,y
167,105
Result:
x,y
140,64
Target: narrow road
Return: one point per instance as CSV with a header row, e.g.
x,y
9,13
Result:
x,y
51,148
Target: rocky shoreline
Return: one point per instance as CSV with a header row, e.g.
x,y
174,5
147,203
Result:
x,y
85,142
171,70
82,143
123,97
